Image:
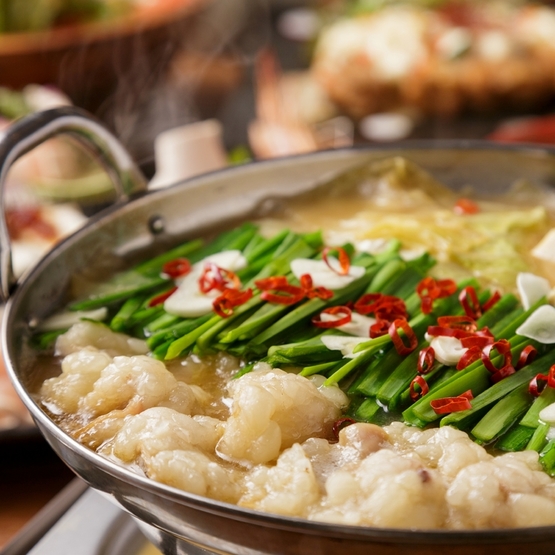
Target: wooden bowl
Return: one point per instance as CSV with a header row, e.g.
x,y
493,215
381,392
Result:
x,y
86,60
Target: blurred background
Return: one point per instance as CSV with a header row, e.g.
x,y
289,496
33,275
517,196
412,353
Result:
x,y
194,85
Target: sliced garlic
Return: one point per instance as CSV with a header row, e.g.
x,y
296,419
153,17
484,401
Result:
x,y
531,288
547,414
322,275
545,249
448,350
359,324
188,301
345,344
540,325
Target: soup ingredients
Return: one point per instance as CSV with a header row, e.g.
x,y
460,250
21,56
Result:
x,y
243,401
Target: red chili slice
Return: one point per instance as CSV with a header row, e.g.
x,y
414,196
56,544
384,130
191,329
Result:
x,y
177,268
314,292
381,327
446,405
426,359
159,299
436,331
502,373
527,356
343,257
367,303
428,289
470,303
464,323
267,284
284,294
390,308
481,339
471,355
345,319
229,299
534,387
402,348
423,386
503,348
465,206
492,301
215,277
338,425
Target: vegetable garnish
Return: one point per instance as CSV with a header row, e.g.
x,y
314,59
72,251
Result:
x,y
472,355
343,259
159,299
381,327
548,380
463,323
447,405
215,277
491,302
283,291
314,292
402,348
177,268
338,425
465,206
470,303
527,356
229,299
503,348
423,388
426,359
384,307
343,318
480,338
430,289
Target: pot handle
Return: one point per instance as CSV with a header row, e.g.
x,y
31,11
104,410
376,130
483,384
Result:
x,y
31,131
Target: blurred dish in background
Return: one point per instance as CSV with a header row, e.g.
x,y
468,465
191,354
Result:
x,y
457,57
84,47
293,115
526,130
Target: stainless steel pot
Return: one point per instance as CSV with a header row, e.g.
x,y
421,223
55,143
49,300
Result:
x,y
178,522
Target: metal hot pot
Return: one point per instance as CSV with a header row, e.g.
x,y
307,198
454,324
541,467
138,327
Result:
x,y
139,223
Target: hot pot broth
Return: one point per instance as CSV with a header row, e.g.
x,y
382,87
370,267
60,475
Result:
x,y
272,439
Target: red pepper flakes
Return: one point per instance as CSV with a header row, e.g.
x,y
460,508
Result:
x,y
547,380
229,299
177,267
527,356
215,277
426,359
338,425
471,355
447,405
368,303
314,292
465,206
343,311
159,299
402,348
429,290
502,373
423,388
343,257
